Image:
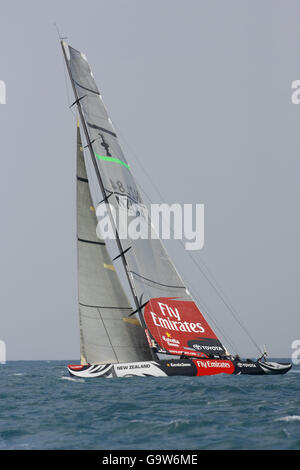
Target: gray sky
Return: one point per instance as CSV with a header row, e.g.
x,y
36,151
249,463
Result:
x,y
201,91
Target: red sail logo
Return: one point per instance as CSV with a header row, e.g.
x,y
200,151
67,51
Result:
x,y
173,322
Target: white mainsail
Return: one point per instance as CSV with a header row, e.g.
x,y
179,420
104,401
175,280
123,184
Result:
x,y
171,319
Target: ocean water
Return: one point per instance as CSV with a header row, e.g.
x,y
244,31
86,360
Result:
x,y
41,407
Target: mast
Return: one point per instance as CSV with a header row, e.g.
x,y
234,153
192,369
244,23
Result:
x,y
105,198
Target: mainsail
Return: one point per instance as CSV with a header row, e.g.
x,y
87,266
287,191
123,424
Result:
x,y
106,332
172,321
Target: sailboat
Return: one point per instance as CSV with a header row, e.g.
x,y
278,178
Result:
x,y
136,316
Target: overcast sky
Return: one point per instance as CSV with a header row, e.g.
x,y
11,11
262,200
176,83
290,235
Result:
x,y
200,92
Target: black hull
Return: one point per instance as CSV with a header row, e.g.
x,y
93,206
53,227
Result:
x,y
261,368
185,367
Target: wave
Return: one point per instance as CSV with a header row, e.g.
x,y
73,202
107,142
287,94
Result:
x,y
288,419
215,402
73,380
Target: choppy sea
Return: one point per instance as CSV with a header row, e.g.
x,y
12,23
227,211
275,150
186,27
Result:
x,y
41,407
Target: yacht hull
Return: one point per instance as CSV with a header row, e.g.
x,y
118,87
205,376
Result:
x,y
186,367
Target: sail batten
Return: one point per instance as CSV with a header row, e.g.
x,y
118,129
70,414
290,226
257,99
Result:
x,y
105,306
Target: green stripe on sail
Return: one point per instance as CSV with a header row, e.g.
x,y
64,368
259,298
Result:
x,y
112,159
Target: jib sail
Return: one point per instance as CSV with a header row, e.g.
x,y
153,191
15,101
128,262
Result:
x,y
106,332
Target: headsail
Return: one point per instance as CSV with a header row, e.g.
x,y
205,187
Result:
x,y
106,332
172,321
